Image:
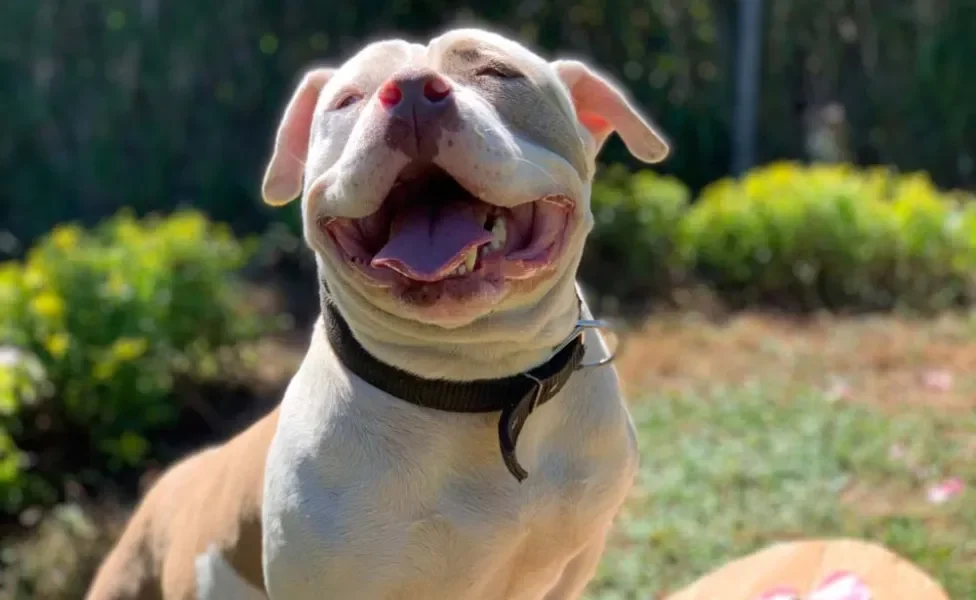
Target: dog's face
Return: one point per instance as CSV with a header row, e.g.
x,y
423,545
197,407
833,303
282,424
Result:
x,y
447,181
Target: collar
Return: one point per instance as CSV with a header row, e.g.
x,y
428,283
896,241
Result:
x,y
515,396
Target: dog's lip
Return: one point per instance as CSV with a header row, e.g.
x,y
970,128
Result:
x,y
418,169
537,257
560,200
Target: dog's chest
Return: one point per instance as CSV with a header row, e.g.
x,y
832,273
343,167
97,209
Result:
x,y
477,541
409,508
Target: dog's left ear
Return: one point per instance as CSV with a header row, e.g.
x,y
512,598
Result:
x,y
286,170
602,109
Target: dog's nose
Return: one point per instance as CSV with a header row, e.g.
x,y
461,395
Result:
x,y
415,89
418,102
416,95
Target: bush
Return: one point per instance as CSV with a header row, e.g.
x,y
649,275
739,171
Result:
x,y
834,237
23,384
96,325
631,254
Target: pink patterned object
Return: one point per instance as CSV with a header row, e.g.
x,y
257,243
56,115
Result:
x,y
841,586
945,491
780,593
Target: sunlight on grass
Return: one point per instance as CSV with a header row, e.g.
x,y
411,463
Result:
x,y
726,474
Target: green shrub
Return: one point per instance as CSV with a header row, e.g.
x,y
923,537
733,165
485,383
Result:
x,y
23,384
112,315
832,236
631,253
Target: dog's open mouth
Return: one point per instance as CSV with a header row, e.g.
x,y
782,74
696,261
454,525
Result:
x,y
431,231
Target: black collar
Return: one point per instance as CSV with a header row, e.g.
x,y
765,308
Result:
x,y
515,396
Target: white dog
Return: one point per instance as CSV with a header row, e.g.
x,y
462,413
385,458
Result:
x,y
446,194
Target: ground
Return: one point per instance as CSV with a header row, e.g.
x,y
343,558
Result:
x,y
765,428
762,428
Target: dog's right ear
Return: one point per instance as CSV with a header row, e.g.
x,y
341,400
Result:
x,y
283,177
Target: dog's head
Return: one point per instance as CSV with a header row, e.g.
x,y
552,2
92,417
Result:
x,y
447,181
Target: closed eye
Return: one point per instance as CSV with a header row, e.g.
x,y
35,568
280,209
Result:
x,y
499,71
347,100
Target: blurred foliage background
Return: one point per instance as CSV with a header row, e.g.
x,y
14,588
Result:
x,y
150,104
142,280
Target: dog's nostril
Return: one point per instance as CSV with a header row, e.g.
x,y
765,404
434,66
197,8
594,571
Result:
x,y
390,94
436,89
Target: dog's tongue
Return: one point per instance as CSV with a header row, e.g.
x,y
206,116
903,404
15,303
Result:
x,y
427,243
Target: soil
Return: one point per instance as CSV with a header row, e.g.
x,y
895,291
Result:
x,y
886,360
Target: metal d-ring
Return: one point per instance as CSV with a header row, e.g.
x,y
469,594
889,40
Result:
x,y
584,324
581,326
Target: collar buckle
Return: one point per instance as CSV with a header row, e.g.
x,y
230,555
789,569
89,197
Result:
x,y
581,326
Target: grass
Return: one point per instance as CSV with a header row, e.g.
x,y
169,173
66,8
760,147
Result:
x,y
726,472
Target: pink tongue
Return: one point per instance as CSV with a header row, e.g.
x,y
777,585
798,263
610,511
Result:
x,y
428,243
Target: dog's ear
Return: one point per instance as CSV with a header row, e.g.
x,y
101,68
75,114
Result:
x,y
602,108
283,177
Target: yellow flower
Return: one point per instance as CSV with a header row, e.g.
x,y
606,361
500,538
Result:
x,y
57,344
116,286
126,349
128,232
132,447
104,369
47,305
65,237
9,272
7,379
186,225
34,275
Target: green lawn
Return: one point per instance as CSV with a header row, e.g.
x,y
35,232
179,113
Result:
x,y
724,474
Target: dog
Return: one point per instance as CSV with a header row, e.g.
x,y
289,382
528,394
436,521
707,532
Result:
x,y
455,430
446,435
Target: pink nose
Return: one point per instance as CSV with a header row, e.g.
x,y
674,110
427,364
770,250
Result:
x,y
414,87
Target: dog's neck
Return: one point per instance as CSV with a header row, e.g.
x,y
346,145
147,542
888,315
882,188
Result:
x,y
495,346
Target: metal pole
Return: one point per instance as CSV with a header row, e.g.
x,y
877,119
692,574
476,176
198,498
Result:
x,y
748,69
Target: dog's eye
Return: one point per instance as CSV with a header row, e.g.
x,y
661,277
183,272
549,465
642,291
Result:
x,y
348,100
498,71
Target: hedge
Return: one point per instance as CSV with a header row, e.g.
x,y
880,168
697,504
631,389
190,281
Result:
x,y
820,237
94,327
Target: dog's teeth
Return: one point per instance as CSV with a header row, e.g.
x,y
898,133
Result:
x,y
500,234
470,259
461,270
484,250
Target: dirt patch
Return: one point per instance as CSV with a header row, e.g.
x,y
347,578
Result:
x,y
889,361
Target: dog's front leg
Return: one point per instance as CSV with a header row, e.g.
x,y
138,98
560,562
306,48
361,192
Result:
x,y
578,572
